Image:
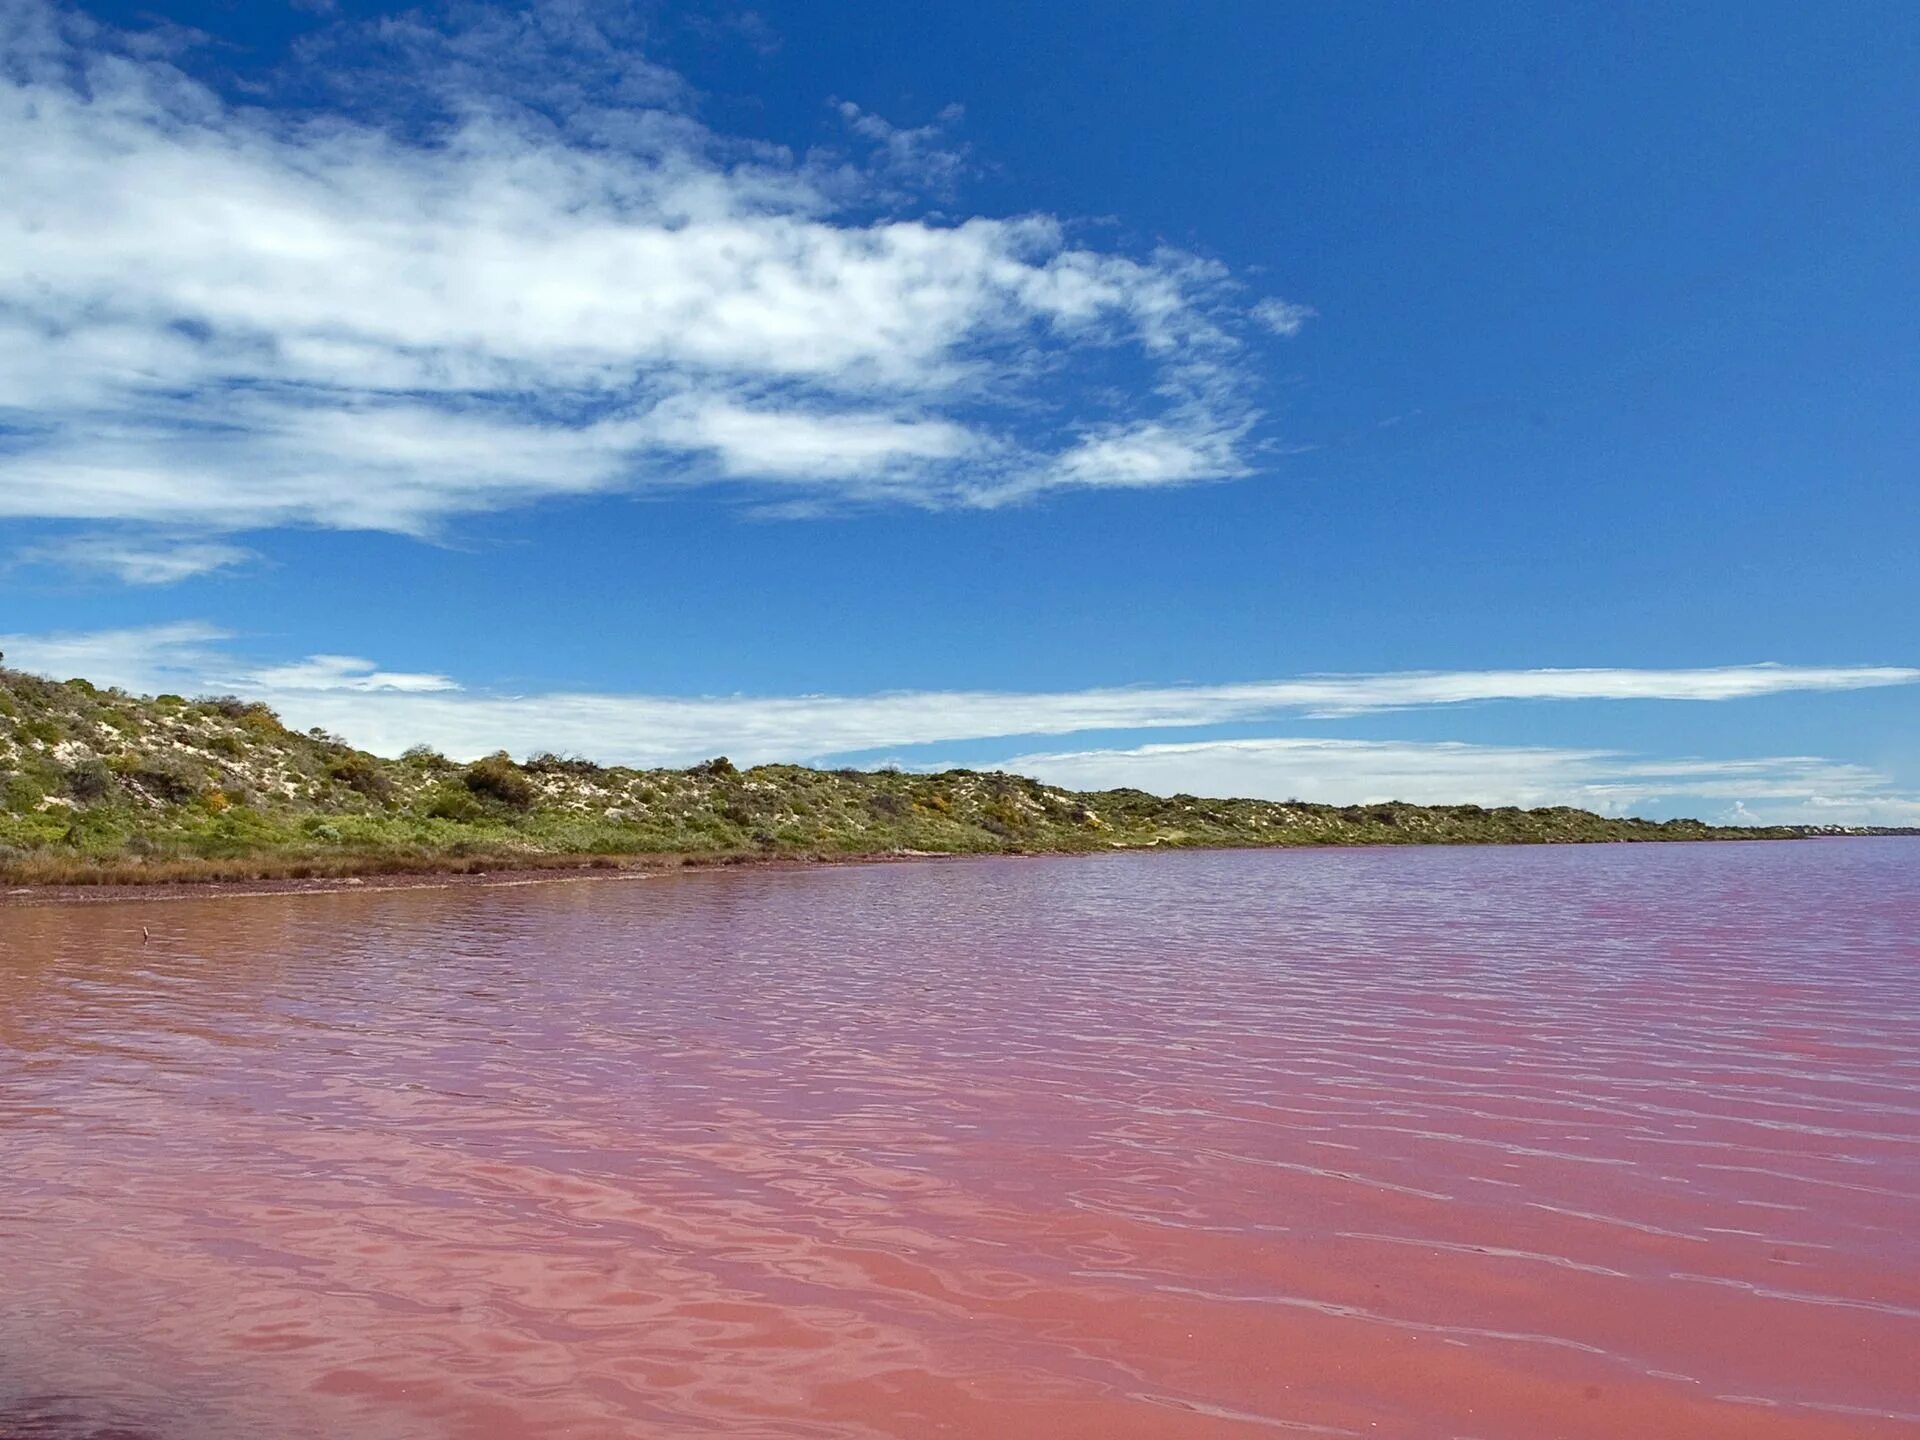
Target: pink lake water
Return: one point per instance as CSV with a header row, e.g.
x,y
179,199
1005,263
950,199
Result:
x,y
1470,1144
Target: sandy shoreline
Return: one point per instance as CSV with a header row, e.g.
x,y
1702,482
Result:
x,y
630,867
627,868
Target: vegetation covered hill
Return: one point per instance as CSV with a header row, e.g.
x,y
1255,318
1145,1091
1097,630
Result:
x,y
99,785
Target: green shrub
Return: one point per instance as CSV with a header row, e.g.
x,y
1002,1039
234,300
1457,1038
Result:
x,y
1003,817
96,832
548,763
169,780
256,718
260,721
89,781
21,793
497,778
452,802
361,773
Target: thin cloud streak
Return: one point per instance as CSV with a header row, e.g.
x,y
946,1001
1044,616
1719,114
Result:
x,y
335,692
1792,789
137,559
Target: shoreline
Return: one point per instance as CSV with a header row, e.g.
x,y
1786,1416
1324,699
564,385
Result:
x,y
106,795
466,873
22,895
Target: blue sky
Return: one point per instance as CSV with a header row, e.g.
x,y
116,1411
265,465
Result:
x,y
969,383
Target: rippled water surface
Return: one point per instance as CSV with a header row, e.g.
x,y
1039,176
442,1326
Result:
x,y
1503,1144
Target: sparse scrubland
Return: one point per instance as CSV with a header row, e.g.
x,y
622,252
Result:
x,y
98,786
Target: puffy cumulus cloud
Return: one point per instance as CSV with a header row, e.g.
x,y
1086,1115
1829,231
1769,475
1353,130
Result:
x,y
540,277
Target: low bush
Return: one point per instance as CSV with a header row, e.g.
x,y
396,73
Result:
x,y
21,793
89,781
164,778
360,773
1003,817
261,722
451,802
497,778
548,763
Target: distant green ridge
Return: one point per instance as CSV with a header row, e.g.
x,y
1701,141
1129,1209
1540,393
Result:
x,y
99,785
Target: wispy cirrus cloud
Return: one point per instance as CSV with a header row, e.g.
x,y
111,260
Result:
x,y
229,316
390,710
925,157
341,673
1283,317
139,558
1777,790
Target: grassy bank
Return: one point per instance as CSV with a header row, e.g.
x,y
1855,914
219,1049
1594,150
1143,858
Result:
x,y
97,786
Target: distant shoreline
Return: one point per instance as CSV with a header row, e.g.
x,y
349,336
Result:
x,y
103,793
506,875
559,870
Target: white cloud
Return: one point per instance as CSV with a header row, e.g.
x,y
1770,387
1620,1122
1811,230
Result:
x,y
1769,790
923,155
228,318
340,672
1283,317
1830,808
796,445
387,712
1151,453
153,659
139,559
1336,695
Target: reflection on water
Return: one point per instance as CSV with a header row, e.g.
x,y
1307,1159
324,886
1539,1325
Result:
x,y
1502,1144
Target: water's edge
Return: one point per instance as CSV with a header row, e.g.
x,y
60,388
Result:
x,y
649,866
